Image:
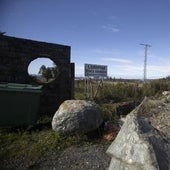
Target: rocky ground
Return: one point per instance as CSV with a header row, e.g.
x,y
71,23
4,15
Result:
x,y
91,157
144,139
158,113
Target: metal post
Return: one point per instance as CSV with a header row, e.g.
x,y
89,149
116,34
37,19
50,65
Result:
x,y
145,61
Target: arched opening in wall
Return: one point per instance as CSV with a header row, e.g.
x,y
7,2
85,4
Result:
x,y
43,70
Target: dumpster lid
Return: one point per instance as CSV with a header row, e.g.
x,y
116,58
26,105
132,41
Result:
x,y
16,86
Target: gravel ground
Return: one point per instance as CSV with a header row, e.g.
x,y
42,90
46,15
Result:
x,y
80,158
91,157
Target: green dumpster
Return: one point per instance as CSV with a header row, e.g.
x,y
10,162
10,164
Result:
x,y
19,104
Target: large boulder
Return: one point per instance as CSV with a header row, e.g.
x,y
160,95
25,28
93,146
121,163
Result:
x,y
77,117
143,142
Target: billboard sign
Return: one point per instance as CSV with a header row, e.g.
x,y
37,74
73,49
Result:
x,y
94,70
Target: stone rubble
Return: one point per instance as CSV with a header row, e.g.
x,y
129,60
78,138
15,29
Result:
x,y
143,143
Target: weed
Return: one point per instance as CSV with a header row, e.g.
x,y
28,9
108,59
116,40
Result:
x,y
30,144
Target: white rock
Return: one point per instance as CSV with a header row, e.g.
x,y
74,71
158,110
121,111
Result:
x,y
77,117
139,146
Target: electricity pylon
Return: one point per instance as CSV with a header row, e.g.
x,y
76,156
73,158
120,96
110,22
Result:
x,y
145,61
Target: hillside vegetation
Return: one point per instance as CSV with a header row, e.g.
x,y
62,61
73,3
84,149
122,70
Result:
x,y
112,95
121,90
28,147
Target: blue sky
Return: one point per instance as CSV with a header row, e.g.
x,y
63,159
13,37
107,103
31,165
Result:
x,y
106,32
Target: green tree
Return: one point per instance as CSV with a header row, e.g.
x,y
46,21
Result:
x,y
42,70
46,72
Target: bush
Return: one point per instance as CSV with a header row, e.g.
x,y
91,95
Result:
x,y
111,92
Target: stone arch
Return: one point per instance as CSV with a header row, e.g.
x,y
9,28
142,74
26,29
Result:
x,y
15,57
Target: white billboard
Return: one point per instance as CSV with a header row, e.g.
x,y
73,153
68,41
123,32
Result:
x,y
94,70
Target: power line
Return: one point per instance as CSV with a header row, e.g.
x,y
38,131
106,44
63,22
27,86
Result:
x,y
145,61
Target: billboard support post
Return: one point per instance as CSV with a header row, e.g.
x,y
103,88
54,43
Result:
x,y
97,72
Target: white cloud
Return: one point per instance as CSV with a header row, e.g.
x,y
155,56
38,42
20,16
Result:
x,y
130,68
79,67
111,28
150,68
120,60
114,29
126,71
127,68
136,69
79,70
105,51
159,59
160,68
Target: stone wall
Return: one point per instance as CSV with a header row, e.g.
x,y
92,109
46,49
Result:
x,y
15,56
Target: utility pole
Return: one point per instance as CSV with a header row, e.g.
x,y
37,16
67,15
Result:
x,y
145,60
